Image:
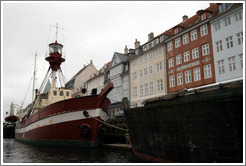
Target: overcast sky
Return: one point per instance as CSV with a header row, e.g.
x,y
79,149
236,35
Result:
x,y
91,31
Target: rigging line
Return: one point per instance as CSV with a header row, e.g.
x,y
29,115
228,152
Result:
x,y
108,124
63,77
26,93
45,80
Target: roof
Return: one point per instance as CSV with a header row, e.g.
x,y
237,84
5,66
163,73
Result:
x,y
122,57
101,70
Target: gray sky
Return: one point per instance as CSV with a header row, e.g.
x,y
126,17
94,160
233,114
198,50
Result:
x,y
91,31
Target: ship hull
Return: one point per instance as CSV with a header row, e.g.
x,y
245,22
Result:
x,y
65,123
202,127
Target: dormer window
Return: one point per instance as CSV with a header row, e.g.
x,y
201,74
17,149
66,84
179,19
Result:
x,y
204,16
224,6
176,30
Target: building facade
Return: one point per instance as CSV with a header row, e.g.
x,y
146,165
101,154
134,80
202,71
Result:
x,y
227,37
147,70
189,52
118,74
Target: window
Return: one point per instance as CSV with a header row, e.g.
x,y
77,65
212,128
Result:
x,y
238,16
207,71
240,38
232,63
217,26
158,52
134,91
229,42
219,46
195,53
171,62
185,39
141,73
150,55
176,30
224,6
193,35
160,84
146,88
141,89
67,93
204,30
134,75
227,21
170,46
150,70
187,76
151,87
177,42
221,66
204,16
205,49
61,93
197,75
187,56
178,59
140,59
179,78
241,60
134,62
145,58
159,66
146,71
171,81
54,93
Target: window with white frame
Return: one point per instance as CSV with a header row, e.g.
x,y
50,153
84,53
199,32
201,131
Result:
x,y
171,62
176,30
151,87
134,91
217,26
187,76
145,71
187,56
219,46
172,81
204,16
146,88
144,57
193,35
197,74
159,66
221,66
205,49
195,53
240,38
170,46
204,30
238,16
141,73
158,52
150,70
232,64
227,21
229,42
177,42
141,89
185,38
160,84
150,55
178,59
207,71
241,60
179,78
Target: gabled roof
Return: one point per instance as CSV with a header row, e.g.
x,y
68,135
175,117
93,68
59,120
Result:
x,y
101,71
122,57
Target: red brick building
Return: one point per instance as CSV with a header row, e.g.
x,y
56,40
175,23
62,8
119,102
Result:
x,y
189,52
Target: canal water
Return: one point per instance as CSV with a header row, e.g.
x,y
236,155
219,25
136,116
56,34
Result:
x,y
16,152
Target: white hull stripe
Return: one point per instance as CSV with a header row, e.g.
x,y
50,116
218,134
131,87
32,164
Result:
x,y
66,117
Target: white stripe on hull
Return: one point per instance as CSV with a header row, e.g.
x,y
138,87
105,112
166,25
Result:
x,y
65,117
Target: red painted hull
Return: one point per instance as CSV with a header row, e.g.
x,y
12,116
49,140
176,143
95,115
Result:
x,y
61,123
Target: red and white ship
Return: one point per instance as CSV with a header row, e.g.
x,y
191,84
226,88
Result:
x,y
57,118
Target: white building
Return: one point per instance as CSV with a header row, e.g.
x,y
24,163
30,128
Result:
x,y
227,38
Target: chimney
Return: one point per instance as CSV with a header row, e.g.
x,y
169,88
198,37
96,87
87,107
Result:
x,y
185,18
151,36
91,61
126,50
137,44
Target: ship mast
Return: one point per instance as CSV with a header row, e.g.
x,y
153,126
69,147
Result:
x,y
34,77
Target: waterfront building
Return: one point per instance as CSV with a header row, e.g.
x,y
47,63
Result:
x,y
148,70
78,81
96,80
118,74
189,52
227,38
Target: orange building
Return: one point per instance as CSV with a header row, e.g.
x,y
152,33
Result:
x,y
189,52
